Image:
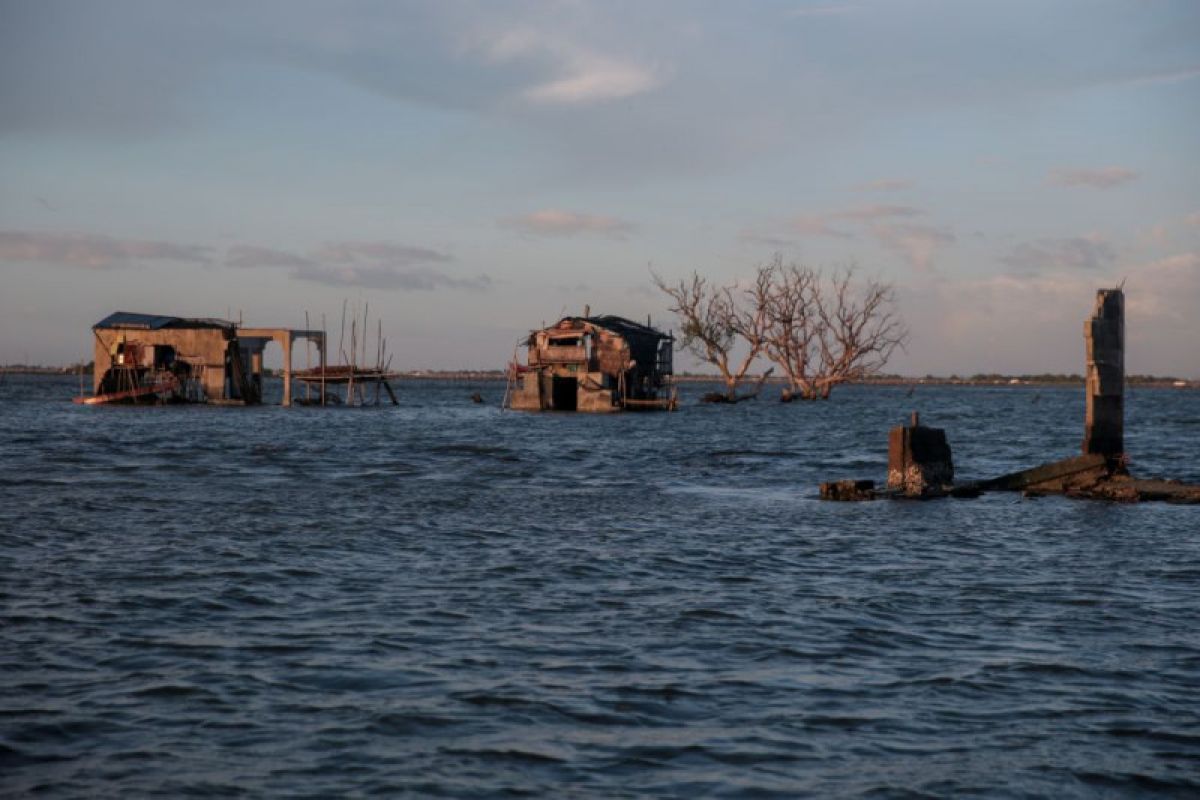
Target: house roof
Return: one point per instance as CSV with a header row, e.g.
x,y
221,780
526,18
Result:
x,y
620,325
151,322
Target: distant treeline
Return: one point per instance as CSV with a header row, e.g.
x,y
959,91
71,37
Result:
x,y
41,369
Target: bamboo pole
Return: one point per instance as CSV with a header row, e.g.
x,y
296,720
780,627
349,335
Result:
x,y
353,350
366,308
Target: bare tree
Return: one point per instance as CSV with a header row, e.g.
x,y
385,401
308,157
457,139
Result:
x,y
860,330
714,322
822,333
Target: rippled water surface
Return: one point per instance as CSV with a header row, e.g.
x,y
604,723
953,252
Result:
x,y
443,599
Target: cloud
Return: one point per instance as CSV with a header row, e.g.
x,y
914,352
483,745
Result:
x,y
579,75
249,256
817,226
1193,218
1154,78
916,244
1166,290
1102,178
370,265
883,185
93,251
1080,252
968,326
1155,234
748,236
876,212
373,252
822,224
422,279
553,222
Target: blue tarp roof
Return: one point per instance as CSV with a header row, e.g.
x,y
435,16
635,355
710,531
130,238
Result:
x,y
153,322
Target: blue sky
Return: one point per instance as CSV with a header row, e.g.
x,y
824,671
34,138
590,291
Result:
x,y
471,169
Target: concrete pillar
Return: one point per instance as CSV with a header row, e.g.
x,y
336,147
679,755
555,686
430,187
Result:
x,y
287,368
1104,333
919,461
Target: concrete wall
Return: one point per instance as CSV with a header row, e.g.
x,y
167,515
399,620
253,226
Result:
x,y
1104,333
198,346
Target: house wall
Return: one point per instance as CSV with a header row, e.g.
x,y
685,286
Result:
x,y
598,362
205,346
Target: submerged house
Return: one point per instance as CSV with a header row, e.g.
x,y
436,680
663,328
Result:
x,y
154,358
595,364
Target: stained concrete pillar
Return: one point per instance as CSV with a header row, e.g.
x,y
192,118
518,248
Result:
x,y
919,461
1104,333
286,341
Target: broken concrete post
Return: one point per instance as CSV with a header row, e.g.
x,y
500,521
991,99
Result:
x,y
848,490
1105,334
919,461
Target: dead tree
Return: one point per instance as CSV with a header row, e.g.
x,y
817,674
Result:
x,y
825,333
859,330
714,322
789,299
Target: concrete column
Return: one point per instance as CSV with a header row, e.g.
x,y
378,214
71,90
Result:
x,y
1104,333
919,460
287,369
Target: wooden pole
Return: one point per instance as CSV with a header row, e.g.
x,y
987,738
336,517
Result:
x,y
353,350
342,336
366,308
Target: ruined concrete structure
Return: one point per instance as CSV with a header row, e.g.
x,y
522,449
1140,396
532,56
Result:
x,y
919,460
1104,334
154,358
596,364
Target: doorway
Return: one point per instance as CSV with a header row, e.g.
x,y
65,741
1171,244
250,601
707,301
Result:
x,y
564,393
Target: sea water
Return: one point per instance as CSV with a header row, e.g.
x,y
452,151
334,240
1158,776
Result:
x,y
444,599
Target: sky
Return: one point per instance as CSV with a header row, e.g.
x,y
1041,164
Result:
x,y
471,170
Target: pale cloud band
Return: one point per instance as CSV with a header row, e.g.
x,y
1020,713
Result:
x,y
554,222
372,265
93,251
1080,252
1100,178
884,185
369,265
578,75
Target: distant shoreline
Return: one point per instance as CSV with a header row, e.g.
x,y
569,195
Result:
x,y
1144,381
992,380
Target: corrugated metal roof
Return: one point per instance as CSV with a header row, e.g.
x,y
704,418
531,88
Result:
x,y
153,322
625,327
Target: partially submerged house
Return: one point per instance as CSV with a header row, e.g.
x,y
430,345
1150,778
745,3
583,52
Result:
x,y
155,358
595,364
